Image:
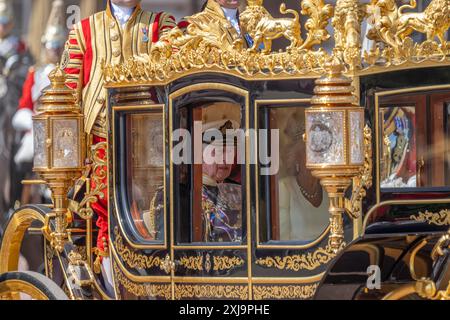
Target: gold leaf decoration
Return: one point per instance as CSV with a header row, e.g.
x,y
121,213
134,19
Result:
x,y
270,292
441,218
192,263
163,291
206,45
209,291
131,258
225,263
309,261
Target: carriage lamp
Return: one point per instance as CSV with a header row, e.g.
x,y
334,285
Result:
x,y
335,142
58,148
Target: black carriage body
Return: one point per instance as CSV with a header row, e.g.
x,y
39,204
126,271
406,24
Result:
x,y
401,225
257,267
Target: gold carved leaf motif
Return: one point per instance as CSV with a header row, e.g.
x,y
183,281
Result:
x,y
188,291
192,263
270,292
309,261
206,45
141,290
441,218
133,259
226,263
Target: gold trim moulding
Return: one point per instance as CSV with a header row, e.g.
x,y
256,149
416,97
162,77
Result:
x,y
33,182
112,84
212,247
373,70
211,280
294,280
150,107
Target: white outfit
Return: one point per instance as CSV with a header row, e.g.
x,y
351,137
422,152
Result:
x,y
299,219
232,17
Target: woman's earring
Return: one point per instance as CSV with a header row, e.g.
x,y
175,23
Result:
x,y
297,168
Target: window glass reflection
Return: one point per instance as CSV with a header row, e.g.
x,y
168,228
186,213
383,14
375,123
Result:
x,y
209,191
399,147
293,206
145,142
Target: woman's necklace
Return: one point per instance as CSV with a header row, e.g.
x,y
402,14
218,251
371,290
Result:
x,y
310,196
307,194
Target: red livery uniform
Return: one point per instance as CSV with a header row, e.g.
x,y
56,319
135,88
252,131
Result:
x,y
105,37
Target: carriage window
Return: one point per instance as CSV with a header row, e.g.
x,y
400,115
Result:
x,y
292,204
209,192
414,140
145,141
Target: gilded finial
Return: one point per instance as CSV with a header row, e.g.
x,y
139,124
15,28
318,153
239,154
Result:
x,y
334,88
255,3
57,77
58,97
334,66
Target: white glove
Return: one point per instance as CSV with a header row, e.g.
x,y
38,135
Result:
x,y
23,120
26,150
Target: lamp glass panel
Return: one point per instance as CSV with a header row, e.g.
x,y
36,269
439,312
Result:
x,y
356,137
40,137
66,143
326,137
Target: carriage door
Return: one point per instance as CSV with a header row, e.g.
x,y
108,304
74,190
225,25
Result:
x,y
292,250
139,225
210,212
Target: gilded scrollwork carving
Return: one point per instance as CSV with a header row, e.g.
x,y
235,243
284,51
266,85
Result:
x,y
226,263
270,292
162,291
441,218
204,46
94,175
192,263
308,261
210,291
133,259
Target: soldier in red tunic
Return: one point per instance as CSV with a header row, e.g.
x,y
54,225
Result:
x,y
122,31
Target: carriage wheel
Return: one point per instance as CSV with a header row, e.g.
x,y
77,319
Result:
x,y
29,285
11,244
